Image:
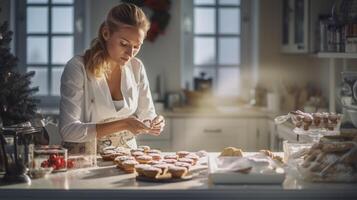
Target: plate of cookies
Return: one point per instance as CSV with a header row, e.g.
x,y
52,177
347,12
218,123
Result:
x,y
233,166
152,165
313,124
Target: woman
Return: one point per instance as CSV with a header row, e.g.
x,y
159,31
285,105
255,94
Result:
x,y
106,91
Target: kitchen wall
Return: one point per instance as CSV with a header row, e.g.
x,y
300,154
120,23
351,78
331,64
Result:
x,y
275,67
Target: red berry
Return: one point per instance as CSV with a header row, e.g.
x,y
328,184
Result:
x,y
58,163
53,157
70,164
44,164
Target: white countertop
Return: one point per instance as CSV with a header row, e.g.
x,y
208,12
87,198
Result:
x,y
114,184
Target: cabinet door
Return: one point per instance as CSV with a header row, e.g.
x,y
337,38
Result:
x,y
295,26
210,134
258,134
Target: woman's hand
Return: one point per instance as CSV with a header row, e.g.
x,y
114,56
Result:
x,y
137,127
158,123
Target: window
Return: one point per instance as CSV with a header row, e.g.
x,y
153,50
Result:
x,y
46,40
216,44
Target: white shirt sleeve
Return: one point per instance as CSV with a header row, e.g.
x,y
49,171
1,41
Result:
x,y
146,109
72,127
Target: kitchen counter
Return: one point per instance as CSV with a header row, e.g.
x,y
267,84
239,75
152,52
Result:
x,y
107,182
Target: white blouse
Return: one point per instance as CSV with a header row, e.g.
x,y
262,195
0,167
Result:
x,y
86,100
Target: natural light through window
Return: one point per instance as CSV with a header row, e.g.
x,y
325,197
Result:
x,y
217,44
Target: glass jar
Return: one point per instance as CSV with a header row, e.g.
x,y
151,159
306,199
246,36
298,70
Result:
x,y
52,156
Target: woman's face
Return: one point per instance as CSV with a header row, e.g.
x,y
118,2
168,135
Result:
x,y
124,44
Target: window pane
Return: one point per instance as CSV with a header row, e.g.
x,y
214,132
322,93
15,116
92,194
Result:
x,y
228,81
62,49
37,50
39,80
204,50
62,20
37,19
204,2
229,2
62,1
229,51
229,20
56,80
37,1
205,20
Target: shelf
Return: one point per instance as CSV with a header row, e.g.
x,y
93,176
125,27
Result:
x,y
336,55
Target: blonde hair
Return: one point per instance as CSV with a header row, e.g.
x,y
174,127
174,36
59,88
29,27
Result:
x,y
96,57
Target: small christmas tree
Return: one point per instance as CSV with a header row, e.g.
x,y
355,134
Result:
x,y
16,102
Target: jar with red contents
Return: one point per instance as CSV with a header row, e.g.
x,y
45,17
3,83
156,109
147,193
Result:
x,y
51,156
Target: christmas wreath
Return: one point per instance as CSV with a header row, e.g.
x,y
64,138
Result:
x,y
158,10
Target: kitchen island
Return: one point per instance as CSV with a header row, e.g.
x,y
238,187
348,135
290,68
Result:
x,y
107,182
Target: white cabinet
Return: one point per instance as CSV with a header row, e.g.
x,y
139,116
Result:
x,y
299,24
258,134
295,26
210,134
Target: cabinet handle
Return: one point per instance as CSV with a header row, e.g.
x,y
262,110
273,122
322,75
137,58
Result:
x,y
212,130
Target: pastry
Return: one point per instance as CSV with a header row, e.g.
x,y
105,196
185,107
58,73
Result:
x,y
182,154
129,165
163,166
231,151
337,147
267,153
144,159
140,168
169,161
154,162
186,160
118,160
317,118
177,172
192,156
153,151
151,172
137,153
136,150
175,157
183,164
155,156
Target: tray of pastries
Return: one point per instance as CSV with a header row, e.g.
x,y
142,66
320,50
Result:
x,y
233,166
332,159
323,123
154,166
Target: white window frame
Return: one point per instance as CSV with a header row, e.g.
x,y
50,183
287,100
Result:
x,y
46,101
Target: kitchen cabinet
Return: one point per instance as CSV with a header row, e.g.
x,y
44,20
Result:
x,y
213,134
295,26
300,23
258,134
210,134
